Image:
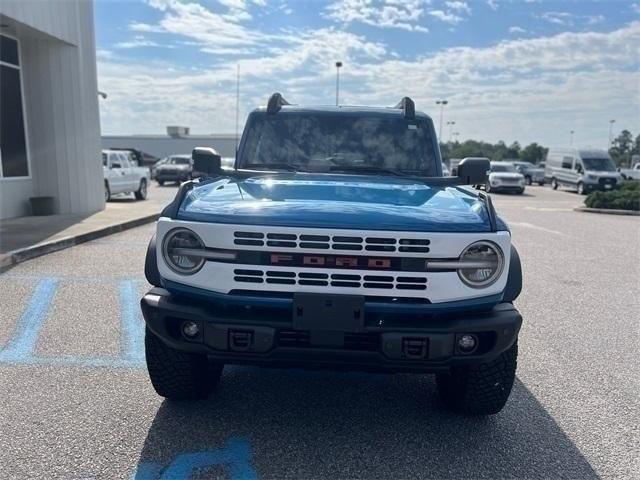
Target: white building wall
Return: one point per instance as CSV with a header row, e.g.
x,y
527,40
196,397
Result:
x,y
163,146
61,106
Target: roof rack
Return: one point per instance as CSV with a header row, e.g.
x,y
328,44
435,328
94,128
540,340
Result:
x,y
276,101
408,108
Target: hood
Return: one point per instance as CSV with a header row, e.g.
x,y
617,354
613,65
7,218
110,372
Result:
x,y
336,201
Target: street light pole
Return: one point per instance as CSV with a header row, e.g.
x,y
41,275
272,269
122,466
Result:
x,y
571,138
611,122
451,124
442,103
237,102
338,65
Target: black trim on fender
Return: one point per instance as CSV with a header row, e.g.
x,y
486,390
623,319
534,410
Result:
x,y
171,210
151,271
514,280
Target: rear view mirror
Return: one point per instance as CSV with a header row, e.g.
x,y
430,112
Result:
x,y
206,162
474,170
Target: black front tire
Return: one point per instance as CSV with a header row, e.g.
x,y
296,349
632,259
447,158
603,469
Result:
x,y
528,180
178,375
141,193
161,182
541,183
107,192
554,184
481,389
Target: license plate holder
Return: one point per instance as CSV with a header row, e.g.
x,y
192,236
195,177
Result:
x,y
328,312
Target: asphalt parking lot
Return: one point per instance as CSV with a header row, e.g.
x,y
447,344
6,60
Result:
x,y
76,401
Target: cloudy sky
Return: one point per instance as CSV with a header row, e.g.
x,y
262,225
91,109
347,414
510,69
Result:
x,y
526,70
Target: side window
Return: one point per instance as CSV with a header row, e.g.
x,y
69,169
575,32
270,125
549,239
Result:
x,y
567,162
114,161
124,160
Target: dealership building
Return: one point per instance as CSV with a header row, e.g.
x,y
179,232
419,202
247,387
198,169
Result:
x,y
49,117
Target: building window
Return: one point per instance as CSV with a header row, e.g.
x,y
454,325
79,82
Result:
x,y
13,144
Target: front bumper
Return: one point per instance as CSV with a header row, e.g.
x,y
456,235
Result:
x,y
409,342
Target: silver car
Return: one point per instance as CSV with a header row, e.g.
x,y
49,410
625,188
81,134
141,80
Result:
x,y
584,170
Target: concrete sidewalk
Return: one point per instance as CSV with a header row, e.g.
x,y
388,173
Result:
x,y
24,238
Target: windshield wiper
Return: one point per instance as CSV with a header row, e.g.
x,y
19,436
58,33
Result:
x,y
366,169
273,166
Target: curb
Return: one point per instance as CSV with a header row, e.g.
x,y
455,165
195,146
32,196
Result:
x,y
14,257
610,211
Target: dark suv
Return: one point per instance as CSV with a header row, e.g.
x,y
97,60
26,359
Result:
x,y
335,242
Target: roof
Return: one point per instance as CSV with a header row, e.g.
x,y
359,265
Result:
x,y
345,109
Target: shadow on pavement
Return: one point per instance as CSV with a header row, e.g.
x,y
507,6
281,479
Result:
x,y
332,425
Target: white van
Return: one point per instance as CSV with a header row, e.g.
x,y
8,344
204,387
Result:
x,y
581,169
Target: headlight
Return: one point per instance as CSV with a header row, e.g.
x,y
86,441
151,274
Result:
x,y
482,264
178,250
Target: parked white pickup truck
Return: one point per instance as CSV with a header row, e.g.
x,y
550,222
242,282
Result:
x,y
631,173
121,175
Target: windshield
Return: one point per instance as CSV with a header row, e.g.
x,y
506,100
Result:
x,y
599,164
502,168
180,161
332,141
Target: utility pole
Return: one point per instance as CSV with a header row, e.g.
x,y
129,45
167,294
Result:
x,y
571,138
451,124
338,65
611,122
237,103
442,103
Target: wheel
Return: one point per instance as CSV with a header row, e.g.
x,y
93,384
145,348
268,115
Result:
x,y
554,183
541,183
141,193
527,179
520,192
481,389
487,187
107,192
179,375
161,182
580,188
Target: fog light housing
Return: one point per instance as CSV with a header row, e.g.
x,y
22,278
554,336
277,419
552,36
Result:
x,y
467,343
190,329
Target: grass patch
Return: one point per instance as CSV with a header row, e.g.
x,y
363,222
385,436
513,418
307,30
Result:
x,y
627,197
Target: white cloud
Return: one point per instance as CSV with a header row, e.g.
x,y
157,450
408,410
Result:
x,y
458,6
140,41
399,14
635,7
567,19
516,29
493,4
446,17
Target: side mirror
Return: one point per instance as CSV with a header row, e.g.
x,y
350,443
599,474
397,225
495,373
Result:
x,y
474,171
579,168
206,162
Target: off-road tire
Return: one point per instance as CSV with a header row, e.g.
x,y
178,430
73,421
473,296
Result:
x,y
554,184
178,375
481,389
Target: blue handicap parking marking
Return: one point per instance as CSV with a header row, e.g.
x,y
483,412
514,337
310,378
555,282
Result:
x,y
235,458
132,324
23,343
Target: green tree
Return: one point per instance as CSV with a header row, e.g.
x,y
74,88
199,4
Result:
x,y
533,153
622,148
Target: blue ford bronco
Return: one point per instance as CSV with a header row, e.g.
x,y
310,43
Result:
x,y
335,242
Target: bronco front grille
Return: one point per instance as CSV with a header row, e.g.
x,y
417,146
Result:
x,y
331,242
278,277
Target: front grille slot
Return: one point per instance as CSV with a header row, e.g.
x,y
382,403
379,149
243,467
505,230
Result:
x,y
327,242
363,341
